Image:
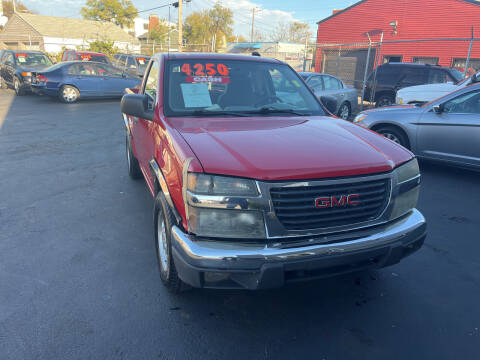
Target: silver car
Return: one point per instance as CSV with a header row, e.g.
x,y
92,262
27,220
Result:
x,y
328,85
446,129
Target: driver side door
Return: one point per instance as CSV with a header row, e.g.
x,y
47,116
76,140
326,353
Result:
x,y
454,134
143,130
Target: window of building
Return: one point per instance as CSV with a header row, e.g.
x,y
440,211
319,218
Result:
x,y
460,63
392,58
426,60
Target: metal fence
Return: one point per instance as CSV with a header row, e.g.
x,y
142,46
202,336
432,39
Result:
x,y
356,63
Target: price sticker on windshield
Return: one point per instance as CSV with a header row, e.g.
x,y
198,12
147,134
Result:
x,y
85,57
21,57
207,69
141,60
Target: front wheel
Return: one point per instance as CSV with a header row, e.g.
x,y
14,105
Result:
x,y
394,135
344,111
3,84
69,94
164,220
17,85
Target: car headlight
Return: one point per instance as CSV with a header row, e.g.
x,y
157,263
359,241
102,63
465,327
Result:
x,y
359,118
408,188
399,100
221,206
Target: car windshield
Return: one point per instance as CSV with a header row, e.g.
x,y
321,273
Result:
x,y
205,87
92,57
457,75
33,59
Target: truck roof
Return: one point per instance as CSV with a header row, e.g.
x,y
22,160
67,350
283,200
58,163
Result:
x,y
175,56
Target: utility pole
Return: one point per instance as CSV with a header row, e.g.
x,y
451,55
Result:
x,y
14,7
253,25
180,26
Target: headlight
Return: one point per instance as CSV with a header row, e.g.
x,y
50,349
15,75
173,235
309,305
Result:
x,y
226,223
408,189
218,206
360,117
399,100
204,184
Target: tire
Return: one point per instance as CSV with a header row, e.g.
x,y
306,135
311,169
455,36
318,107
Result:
x,y
384,100
3,84
17,85
69,94
132,162
393,134
344,111
163,220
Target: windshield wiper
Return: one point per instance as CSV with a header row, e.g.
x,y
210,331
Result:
x,y
272,110
217,113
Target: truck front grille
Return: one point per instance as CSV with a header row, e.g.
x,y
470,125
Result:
x,y
295,207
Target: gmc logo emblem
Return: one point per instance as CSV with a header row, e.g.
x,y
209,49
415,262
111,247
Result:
x,y
337,201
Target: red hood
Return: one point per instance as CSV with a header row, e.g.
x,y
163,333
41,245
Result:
x,y
277,148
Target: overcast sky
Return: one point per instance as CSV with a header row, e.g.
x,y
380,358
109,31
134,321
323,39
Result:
x,y
270,11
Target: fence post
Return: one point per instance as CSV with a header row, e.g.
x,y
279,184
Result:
x,y
467,63
366,70
338,59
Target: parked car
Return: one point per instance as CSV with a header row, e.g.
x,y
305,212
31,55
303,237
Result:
x,y
73,80
382,85
132,63
421,94
73,55
16,68
328,85
255,191
447,129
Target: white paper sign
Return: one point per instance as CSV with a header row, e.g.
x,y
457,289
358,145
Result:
x,y
196,95
21,59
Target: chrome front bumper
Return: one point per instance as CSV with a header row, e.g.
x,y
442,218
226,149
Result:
x,y
247,264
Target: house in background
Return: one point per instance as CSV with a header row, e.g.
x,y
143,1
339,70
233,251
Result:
x,y
397,20
51,34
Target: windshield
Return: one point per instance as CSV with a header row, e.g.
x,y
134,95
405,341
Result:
x,y
201,87
33,59
457,75
91,57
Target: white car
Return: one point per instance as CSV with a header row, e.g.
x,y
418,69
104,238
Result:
x,y
429,92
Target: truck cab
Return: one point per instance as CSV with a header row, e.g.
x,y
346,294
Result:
x,y
255,190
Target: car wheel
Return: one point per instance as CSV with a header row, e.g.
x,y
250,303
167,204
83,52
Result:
x,y
3,84
163,221
393,134
132,162
17,85
69,94
384,100
344,111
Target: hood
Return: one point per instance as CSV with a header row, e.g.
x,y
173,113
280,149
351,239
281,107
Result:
x,y
444,87
281,148
397,109
32,68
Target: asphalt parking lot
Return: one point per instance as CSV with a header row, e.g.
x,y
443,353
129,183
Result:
x,y
79,279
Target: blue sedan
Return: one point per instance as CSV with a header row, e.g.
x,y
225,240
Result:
x,y
73,80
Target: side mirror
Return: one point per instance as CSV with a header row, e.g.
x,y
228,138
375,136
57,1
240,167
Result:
x,y
474,78
136,105
330,103
438,109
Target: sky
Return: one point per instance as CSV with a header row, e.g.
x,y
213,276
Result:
x,y
268,13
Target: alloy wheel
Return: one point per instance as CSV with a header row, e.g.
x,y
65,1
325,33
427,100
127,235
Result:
x,y
69,94
162,242
392,137
344,112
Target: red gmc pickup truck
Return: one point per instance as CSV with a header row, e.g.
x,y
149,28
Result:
x,y
255,184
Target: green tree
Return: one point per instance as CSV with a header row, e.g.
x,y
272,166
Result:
x,y
203,26
103,46
160,32
121,12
